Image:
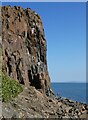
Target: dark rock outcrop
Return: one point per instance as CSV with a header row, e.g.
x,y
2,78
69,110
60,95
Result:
x,y
24,47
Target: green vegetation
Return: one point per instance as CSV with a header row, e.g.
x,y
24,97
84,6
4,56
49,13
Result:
x,y
10,87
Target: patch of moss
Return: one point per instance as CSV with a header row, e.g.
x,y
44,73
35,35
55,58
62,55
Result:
x,y
10,87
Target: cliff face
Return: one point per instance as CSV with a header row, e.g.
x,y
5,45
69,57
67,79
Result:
x,y
24,47
24,59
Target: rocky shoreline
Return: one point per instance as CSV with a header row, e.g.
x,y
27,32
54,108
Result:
x,y
31,103
24,59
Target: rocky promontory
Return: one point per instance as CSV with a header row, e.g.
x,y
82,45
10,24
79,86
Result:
x,y
24,47
24,60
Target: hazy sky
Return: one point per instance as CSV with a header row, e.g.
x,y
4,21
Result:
x,y
65,32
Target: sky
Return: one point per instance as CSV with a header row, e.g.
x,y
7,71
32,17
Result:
x,y
65,32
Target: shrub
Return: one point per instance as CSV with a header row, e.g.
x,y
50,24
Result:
x,y
10,87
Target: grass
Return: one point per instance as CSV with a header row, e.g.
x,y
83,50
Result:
x,y
10,87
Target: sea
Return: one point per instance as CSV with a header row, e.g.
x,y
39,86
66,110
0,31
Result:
x,y
73,91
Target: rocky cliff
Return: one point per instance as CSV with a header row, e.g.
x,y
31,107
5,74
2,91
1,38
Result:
x,y
24,47
24,59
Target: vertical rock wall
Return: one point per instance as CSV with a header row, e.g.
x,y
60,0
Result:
x,y
24,47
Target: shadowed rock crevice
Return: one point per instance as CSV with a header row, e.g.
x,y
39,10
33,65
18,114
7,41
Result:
x,y
34,80
24,47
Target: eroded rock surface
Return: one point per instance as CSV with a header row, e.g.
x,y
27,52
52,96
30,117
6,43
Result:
x,y
24,47
33,104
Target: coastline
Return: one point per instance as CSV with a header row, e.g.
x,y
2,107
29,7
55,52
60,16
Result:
x,y
72,91
25,60
31,103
